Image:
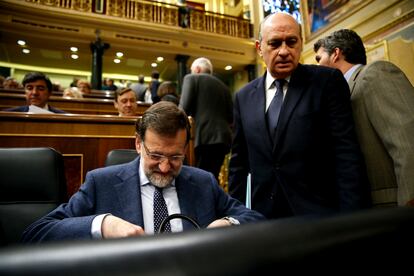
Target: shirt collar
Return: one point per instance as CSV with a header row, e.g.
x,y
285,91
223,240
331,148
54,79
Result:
x,y
270,80
349,73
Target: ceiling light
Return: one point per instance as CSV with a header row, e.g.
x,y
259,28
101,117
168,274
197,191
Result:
x,y
159,59
26,51
119,54
74,49
117,60
74,56
154,64
228,67
21,42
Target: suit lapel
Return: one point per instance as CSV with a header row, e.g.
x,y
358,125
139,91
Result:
x,y
186,193
128,193
257,108
296,88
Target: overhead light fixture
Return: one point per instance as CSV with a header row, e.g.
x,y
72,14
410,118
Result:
x,y
117,60
74,49
154,64
21,42
119,54
228,67
160,59
26,51
74,56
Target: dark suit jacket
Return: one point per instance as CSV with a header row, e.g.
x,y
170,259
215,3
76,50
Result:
x,y
209,101
116,190
315,160
25,108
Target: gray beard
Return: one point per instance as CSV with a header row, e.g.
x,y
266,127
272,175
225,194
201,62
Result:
x,y
160,181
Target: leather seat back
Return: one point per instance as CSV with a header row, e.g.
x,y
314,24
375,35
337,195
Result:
x,y
32,183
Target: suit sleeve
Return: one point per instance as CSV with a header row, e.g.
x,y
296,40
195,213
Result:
x,y
350,173
225,205
389,101
239,165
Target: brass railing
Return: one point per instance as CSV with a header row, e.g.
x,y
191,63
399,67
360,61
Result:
x,y
159,13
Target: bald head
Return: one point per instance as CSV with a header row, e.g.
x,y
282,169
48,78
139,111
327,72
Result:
x,y
280,44
279,16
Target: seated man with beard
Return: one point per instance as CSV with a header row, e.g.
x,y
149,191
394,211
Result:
x,y
124,200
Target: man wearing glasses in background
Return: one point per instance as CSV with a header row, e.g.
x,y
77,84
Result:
x,y
118,201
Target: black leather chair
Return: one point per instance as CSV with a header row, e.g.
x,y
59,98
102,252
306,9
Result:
x,y
32,183
376,241
120,156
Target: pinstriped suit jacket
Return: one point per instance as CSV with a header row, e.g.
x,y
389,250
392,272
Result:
x,y
383,106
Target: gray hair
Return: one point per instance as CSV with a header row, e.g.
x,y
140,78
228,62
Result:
x,y
204,64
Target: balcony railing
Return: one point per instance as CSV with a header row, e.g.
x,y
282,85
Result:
x,y
159,13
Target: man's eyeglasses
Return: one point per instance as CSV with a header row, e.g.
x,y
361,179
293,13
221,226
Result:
x,y
174,159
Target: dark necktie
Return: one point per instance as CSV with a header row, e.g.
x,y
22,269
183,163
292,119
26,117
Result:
x,y
272,114
160,211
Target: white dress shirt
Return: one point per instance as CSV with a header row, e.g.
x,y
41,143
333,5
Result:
x,y
147,200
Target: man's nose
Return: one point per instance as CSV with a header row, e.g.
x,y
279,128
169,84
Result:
x,y
283,49
164,165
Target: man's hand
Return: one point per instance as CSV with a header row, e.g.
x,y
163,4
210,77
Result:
x,y
114,227
219,223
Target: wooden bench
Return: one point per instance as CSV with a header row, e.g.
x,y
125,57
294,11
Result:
x,y
84,140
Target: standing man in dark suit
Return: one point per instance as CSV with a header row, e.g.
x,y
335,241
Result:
x,y
38,89
209,101
118,201
382,100
153,86
312,163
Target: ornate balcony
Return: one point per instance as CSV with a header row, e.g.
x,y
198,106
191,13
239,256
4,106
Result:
x,y
159,13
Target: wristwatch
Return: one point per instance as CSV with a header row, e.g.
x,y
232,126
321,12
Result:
x,y
232,221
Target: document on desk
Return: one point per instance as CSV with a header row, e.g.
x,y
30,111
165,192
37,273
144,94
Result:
x,y
249,191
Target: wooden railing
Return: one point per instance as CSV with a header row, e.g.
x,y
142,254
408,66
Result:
x,y
159,13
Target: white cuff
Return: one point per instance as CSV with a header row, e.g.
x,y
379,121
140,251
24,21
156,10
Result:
x,y
96,229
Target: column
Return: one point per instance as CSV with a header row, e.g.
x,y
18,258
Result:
x,y
181,70
98,47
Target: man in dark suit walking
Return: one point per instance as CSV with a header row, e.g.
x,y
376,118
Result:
x,y
311,163
209,101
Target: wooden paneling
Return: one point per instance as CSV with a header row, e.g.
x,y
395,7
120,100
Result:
x,y
84,140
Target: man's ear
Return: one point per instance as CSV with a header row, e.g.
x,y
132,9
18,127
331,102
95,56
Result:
x,y
336,55
138,143
258,48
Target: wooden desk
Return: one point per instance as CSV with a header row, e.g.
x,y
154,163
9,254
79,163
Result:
x,y
75,106
84,140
